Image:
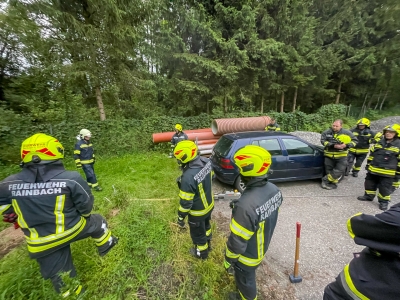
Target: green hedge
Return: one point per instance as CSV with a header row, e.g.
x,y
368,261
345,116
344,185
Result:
x,y
117,137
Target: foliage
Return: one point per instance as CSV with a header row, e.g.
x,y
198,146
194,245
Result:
x,y
151,260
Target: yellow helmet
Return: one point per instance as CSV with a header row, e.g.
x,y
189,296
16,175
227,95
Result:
x,y
364,121
394,128
185,151
252,160
344,138
43,146
178,127
85,132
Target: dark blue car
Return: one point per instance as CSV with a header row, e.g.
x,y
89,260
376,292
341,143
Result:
x,y
292,158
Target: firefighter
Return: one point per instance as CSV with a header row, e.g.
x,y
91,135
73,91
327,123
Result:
x,y
178,136
273,126
196,196
365,137
253,221
337,142
374,273
53,207
383,167
85,158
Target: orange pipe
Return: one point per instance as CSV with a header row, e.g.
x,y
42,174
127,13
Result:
x,y
163,137
222,126
202,142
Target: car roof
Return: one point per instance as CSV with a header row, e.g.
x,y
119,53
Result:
x,y
252,134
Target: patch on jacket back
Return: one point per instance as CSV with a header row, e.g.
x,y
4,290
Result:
x,y
270,206
199,177
41,188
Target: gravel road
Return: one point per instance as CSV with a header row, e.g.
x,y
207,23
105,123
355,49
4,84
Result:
x,y
325,246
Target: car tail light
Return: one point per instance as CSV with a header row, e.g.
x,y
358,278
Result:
x,y
226,163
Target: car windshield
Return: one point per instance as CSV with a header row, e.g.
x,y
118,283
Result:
x,y
223,146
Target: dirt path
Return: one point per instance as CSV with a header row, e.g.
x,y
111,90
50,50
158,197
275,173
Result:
x,y
10,239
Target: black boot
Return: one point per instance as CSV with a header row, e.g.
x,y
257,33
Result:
x,y
209,245
234,296
355,174
103,251
383,205
198,254
364,198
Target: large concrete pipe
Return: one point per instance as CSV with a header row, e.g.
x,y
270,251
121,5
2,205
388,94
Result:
x,y
221,126
164,137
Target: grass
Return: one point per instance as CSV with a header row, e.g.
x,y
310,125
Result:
x,y
151,260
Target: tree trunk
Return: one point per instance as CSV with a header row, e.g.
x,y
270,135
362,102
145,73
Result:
x,y
208,107
295,99
282,101
262,103
100,104
276,101
379,98
383,100
338,91
370,102
363,106
225,103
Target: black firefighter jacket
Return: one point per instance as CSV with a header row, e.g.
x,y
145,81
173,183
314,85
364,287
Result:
x,y
329,138
384,159
51,204
375,273
84,153
253,222
364,138
196,197
178,137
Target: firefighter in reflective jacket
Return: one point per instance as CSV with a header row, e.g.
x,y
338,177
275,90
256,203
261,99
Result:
x,y
196,196
383,167
374,273
337,142
273,126
254,217
85,158
53,208
359,152
178,136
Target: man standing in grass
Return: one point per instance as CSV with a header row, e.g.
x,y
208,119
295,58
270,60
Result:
x,y
253,222
85,158
53,208
196,196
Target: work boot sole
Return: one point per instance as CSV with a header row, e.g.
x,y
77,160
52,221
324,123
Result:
x,y
362,198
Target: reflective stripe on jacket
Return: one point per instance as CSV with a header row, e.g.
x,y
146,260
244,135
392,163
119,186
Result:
x,y
50,213
84,152
254,218
196,197
384,158
329,139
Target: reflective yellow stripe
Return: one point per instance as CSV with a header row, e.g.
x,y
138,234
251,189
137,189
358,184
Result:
x,y
382,171
185,196
230,254
85,162
3,208
369,192
35,249
331,179
77,161
94,184
100,239
183,209
335,154
198,213
58,211
241,295
78,290
203,196
86,145
105,240
349,228
21,221
260,240
53,237
349,285
77,151
202,247
208,232
356,168
251,262
326,143
384,197
239,230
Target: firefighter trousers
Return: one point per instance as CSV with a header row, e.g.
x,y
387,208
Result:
x,y
358,158
335,168
90,175
200,232
246,282
383,184
60,261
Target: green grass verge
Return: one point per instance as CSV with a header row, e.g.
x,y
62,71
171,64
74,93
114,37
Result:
x,y
151,260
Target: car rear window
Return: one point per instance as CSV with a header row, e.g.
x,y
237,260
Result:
x,y
223,146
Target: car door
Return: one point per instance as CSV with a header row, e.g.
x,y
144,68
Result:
x,y
300,158
279,161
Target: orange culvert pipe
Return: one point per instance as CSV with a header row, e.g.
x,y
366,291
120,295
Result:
x,y
212,141
221,126
164,137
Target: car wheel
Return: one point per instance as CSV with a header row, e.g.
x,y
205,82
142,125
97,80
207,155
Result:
x,y
239,184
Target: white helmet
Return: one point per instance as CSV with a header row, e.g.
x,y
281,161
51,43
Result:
x,y
85,132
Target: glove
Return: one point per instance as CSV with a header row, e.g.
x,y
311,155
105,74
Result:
x,y
181,222
11,218
229,267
